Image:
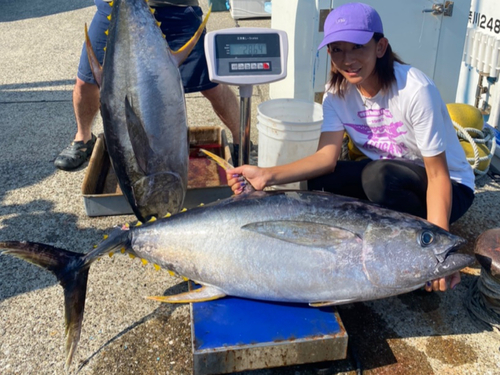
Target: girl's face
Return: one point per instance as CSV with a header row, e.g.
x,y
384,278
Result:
x,y
356,62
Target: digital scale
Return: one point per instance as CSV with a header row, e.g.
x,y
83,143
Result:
x,y
235,334
246,56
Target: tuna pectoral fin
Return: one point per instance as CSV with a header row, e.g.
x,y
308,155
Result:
x,y
71,270
305,233
182,53
205,293
138,137
95,66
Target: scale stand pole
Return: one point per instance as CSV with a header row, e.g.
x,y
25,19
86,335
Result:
x,y
245,122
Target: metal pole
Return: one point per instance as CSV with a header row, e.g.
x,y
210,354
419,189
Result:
x,y
245,123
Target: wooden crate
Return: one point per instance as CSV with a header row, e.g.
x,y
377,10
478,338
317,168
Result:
x,y
206,180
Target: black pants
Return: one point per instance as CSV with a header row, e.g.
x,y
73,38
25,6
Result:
x,y
395,184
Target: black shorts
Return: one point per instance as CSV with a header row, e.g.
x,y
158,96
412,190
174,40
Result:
x,y
395,184
178,24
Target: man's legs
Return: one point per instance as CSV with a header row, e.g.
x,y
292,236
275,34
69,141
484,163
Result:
x,y
86,94
179,24
86,106
225,105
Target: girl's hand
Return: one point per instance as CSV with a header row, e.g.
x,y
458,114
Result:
x,y
237,178
442,284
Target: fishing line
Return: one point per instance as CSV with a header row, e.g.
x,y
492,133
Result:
x,y
483,303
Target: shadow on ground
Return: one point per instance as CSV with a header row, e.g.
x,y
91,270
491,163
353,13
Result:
x,y
145,346
24,9
36,92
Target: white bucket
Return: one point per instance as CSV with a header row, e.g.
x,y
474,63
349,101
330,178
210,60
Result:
x,y
289,130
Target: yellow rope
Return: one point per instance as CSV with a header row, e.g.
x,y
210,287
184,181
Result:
x,y
486,137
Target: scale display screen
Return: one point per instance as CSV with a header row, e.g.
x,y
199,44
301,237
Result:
x,y
261,45
248,49
246,55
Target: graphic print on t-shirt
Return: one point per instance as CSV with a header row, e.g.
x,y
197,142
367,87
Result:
x,y
379,134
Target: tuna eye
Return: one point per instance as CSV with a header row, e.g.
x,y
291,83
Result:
x,y
426,238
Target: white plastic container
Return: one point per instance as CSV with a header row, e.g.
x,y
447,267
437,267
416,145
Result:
x,y
289,130
250,9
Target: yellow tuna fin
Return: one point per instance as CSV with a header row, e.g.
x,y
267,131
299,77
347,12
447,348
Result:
x,y
182,53
331,303
205,293
224,164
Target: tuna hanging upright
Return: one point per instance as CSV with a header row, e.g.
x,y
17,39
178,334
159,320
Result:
x,y
143,109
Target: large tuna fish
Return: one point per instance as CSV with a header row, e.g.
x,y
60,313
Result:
x,y
309,247
143,110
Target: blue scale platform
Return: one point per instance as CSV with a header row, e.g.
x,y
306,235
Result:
x,y
234,334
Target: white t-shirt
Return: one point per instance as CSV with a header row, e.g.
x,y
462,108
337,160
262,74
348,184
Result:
x,y
408,121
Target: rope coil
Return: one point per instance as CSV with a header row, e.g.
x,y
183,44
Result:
x,y
483,302
486,137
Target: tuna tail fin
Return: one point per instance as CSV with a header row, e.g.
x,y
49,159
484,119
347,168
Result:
x,y
71,269
95,66
182,53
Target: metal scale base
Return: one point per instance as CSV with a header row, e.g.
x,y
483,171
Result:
x,y
234,334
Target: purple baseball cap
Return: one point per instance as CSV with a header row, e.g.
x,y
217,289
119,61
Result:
x,y
353,23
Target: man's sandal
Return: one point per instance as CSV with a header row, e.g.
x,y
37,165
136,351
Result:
x,y
75,154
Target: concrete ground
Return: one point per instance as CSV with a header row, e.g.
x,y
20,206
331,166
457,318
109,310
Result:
x,y
40,42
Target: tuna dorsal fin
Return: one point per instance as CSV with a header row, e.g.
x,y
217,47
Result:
x,y
182,53
95,66
138,137
205,293
304,233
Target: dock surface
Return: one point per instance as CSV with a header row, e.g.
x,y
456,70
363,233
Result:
x,y
123,333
